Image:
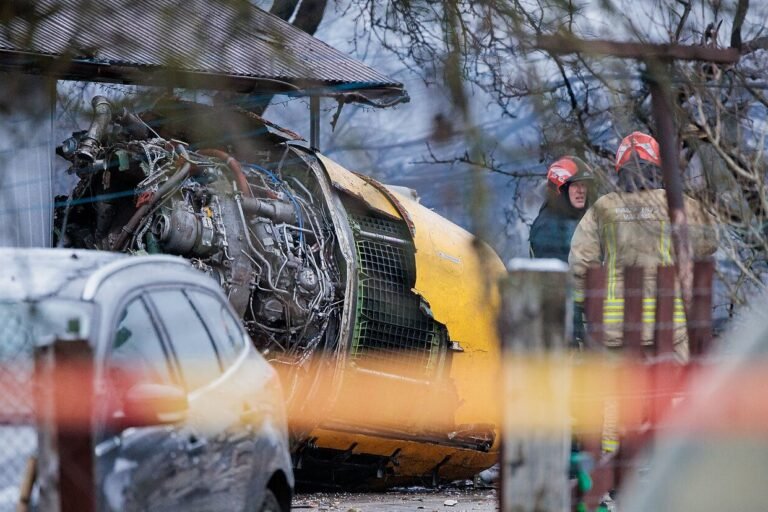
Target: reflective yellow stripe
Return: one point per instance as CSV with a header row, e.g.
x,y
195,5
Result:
x,y
646,300
578,295
613,311
677,320
647,303
646,319
610,446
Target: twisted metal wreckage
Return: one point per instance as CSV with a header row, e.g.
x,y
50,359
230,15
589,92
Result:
x,y
379,313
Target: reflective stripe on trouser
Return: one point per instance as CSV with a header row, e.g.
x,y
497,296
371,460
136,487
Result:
x,y
610,434
613,311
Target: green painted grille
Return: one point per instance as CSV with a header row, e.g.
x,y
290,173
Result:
x,y
392,323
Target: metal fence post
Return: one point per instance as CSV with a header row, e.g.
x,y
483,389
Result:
x,y
664,328
594,300
535,328
663,371
632,398
65,404
633,312
604,472
700,322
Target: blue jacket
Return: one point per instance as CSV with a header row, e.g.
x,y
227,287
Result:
x,y
553,229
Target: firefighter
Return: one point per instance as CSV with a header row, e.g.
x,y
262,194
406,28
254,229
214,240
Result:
x,y
569,192
632,227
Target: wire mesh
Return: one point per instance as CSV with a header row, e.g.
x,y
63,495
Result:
x,y
392,325
18,435
383,227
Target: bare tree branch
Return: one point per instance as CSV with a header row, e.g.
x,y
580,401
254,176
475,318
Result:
x,y
683,18
738,21
485,164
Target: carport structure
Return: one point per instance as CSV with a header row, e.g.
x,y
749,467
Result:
x,y
226,45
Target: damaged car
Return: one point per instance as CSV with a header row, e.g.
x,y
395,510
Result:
x,y
378,313
185,415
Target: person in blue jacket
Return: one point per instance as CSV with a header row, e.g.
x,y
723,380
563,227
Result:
x,y
569,195
570,192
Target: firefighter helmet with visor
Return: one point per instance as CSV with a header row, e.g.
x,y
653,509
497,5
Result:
x,y
638,145
568,169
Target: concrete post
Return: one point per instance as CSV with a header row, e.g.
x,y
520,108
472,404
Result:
x,y
535,327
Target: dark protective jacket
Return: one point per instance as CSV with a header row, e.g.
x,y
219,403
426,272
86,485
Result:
x,y
553,229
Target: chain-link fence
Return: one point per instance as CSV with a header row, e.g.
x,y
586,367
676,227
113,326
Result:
x,y
18,436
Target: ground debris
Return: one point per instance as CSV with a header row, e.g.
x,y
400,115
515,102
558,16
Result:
x,y
402,499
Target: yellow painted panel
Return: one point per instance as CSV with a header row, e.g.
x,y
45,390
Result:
x,y
458,277
352,184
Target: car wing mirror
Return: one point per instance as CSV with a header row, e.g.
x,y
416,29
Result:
x,y
154,404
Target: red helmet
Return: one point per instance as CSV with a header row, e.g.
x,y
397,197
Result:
x,y
567,170
640,144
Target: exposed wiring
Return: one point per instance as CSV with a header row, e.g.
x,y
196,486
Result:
x,y
288,193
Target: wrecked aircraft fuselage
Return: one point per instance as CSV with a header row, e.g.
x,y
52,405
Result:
x,y
379,313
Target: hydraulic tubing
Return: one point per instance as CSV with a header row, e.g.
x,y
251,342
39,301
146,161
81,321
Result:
x,y
102,115
275,210
272,286
130,226
234,166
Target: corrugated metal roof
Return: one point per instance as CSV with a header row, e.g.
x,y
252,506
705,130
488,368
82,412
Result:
x,y
211,37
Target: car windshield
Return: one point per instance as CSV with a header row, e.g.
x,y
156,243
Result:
x,y
24,325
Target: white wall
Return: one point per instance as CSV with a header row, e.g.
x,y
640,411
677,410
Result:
x,y
26,157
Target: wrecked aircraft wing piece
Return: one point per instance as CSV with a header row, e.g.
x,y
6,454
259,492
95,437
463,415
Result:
x,y
378,313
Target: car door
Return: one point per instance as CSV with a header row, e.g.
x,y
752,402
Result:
x,y
238,391
212,407
137,467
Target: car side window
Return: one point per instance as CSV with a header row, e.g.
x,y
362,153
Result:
x,y
222,325
137,353
136,356
189,337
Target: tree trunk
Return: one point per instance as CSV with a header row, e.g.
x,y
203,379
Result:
x,y
307,18
283,9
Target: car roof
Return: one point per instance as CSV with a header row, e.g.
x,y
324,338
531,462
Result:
x,y
32,274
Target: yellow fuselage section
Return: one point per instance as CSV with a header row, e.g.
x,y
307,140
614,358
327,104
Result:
x,y
428,426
